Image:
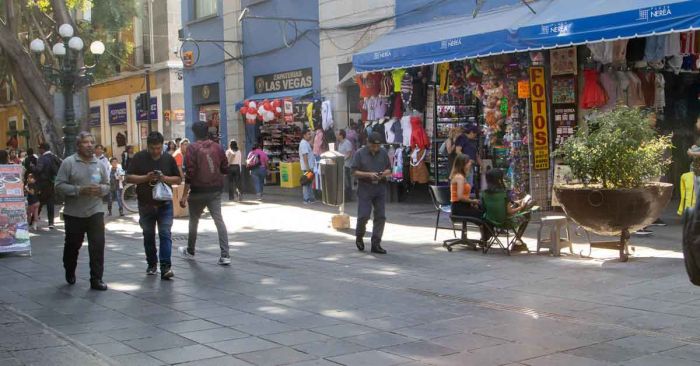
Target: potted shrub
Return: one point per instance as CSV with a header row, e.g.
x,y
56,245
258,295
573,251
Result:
x,y
615,161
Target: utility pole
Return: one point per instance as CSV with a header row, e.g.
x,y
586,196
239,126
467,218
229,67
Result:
x,y
148,100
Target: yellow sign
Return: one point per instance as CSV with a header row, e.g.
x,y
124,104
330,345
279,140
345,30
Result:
x,y
540,127
523,89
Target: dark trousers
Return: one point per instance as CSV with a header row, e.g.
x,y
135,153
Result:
x,y
348,184
162,216
76,228
234,181
50,210
371,197
197,203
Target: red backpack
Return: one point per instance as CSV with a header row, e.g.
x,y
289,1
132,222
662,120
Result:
x,y
209,164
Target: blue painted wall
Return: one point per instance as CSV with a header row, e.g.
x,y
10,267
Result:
x,y
410,12
210,67
262,35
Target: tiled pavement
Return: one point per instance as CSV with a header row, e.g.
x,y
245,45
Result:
x,y
299,293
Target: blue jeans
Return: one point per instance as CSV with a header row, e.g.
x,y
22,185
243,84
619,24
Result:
x,y
308,192
258,174
115,195
162,216
251,136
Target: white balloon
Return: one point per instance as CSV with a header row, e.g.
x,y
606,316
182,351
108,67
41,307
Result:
x,y
278,109
252,105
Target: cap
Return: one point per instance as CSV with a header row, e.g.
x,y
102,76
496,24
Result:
x,y
471,128
375,138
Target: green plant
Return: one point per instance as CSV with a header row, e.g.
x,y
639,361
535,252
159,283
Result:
x,y
618,149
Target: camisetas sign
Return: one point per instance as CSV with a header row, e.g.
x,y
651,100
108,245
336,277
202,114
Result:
x,y
283,81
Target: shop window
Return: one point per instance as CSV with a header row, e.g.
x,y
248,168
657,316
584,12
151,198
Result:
x,y
204,8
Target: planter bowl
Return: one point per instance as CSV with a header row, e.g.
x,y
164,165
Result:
x,y
611,212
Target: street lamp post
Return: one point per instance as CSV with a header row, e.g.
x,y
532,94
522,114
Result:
x,y
68,77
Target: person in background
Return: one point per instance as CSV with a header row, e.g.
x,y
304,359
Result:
x,y
29,163
147,168
694,153
307,160
127,154
14,159
318,143
205,168
450,146
116,185
4,157
233,155
32,202
102,158
371,166
460,189
468,144
345,148
256,162
352,136
499,209
180,153
172,148
178,141
83,182
46,169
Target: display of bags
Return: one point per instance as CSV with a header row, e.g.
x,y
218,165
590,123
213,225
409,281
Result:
x,y
419,171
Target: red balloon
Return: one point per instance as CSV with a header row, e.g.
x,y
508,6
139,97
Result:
x,y
267,106
244,110
277,103
245,102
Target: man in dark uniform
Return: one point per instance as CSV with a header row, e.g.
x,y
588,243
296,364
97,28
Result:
x,y
371,167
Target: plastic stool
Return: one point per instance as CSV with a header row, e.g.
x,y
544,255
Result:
x,y
554,242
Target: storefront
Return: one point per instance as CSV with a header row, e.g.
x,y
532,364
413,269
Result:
x,y
95,122
207,103
524,103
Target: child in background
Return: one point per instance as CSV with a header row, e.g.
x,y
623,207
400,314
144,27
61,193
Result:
x,y
116,185
32,202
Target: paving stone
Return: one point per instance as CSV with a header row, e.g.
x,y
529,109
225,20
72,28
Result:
x,y
344,330
379,340
657,360
113,349
243,345
137,359
56,356
214,335
159,342
467,341
605,352
558,359
330,348
264,327
218,361
275,356
375,358
419,350
188,326
646,344
92,338
295,337
185,354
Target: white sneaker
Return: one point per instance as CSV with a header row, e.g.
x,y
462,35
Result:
x,y
185,254
35,227
224,261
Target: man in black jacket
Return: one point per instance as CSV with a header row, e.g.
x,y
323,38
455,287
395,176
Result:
x,y
45,172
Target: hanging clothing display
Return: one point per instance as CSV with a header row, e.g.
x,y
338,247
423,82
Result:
x,y
609,84
406,89
602,52
397,130
407,129
660,91
418,136
419,171
397,77
389,131
398,105
593,93
310,115
386,88
635,49
619,53
635,95
443,71
648,80
623,84
326,115
397,165
688,43
687,192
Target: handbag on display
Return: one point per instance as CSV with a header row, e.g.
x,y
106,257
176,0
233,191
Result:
x,y
162,192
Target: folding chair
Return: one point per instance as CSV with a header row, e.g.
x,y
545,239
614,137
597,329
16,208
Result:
x,y
441,200
507,229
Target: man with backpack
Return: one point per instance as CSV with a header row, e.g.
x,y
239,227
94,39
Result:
x,y
205,168
45,172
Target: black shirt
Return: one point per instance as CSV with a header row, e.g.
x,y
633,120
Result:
x,y
141,164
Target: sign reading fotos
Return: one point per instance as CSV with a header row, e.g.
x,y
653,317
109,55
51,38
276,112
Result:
x,y
14,230
283,81
540,126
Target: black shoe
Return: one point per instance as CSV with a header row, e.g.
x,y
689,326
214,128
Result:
x,y
121,212
643,232
152,269
98,285
378,249
70,278
360,244
166,272
110,212
658,222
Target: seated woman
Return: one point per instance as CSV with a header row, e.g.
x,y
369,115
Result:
x,y
500,211
460,189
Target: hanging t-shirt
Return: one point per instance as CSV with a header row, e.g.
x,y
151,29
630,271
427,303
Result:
x,y
619,55
660,91
369,85
623,84
635,49
397,130
654,49
609,84
443,71
397,76
389,131
672,46
326,115
648,87
602,52
407,130
318,143
398,106
635,95
386,88
687,40
420,94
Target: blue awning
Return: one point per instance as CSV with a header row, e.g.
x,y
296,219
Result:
x,y
515,29
294,94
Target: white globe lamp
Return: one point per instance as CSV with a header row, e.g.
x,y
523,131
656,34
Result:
x,y
59,49
97,48
65,30
37,46
76,44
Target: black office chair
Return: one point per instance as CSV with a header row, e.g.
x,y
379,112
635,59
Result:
x,y
441,200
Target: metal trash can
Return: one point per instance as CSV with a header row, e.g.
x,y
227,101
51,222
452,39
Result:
x,y
332,165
